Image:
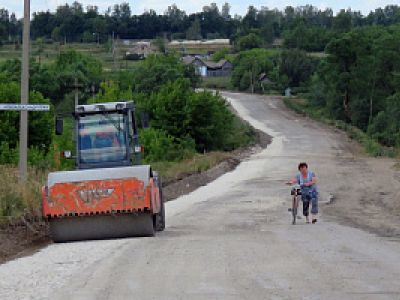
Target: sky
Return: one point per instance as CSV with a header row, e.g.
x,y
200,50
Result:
x,y
237,6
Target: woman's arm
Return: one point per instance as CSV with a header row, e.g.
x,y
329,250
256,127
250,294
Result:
x,y
312,182
292,181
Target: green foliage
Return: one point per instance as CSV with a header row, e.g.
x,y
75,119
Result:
x,y
219,83
11,204
248,65
308,38
194,31
158,70
220,54
8,155
111,92
182,113
386,125
359,74
55,81
249,41
296,66
160,43
159,146
40,123
70,66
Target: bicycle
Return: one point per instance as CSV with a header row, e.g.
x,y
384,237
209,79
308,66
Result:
x,y
295,192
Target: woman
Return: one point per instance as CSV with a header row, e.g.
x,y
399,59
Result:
x,y
308,184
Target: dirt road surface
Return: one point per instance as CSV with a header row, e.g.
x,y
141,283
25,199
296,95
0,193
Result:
x,y
232,239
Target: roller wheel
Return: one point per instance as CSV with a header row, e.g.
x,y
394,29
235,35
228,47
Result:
x,y
159,219
101,227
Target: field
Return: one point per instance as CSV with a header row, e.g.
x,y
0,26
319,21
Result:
x,y
220,83
49,53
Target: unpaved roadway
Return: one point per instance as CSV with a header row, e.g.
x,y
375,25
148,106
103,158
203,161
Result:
x,y
232,239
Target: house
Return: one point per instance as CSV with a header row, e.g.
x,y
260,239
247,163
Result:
x,y
263,79
278,43
265,82
207,68
139,50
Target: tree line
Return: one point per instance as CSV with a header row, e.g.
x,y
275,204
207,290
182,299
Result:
x,y
305,27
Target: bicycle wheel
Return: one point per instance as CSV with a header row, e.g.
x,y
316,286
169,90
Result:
x,y
294,210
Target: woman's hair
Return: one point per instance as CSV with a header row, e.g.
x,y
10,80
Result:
x,y
302,165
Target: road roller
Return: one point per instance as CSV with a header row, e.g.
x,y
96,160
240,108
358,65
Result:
x,y
110,194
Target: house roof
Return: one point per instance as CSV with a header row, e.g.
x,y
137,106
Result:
x,y
187,60
264,78
209,64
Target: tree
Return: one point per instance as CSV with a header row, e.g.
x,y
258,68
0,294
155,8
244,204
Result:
x,y
157,70
249,41
56,34
220,54
159,42
342,22
225,11
185,114
248,66
386,125
40,123
194,31
250,19
297,66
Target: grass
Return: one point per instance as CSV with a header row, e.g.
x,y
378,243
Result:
x,y
371,147
198,163
51,52
223,83
18,199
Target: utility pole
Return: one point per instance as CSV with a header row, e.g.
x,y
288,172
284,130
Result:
x,y
23,130
77,86
113,52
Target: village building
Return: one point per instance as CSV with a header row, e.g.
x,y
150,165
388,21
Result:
x,y
206,68
139,50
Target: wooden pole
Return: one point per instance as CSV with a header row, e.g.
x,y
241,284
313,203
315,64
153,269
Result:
x,y
23,132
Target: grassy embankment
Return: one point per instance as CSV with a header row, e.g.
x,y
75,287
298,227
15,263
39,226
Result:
x,y
371,147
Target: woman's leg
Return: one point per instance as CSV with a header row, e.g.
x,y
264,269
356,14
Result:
x,y
306,209
314,209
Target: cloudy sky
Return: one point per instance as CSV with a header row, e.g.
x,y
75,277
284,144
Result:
x,y
238,6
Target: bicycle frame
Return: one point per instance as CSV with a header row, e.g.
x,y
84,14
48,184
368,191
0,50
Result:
x,y
296,192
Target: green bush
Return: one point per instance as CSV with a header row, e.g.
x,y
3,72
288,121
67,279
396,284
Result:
x,y
249,41
157,70
8,155
220,54
183,113
386,125
159,146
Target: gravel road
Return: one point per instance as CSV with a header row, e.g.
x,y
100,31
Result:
x,y
231,239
